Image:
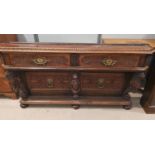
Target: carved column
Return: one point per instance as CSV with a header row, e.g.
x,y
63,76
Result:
x,y
18,85
148,98
75,84
75,87
136,85
13,79
23,92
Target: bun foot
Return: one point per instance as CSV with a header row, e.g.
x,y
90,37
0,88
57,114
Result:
x,y
76,106
127,107
24,105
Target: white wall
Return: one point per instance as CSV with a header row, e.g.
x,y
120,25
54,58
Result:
x,y
67,38
129,36
80,38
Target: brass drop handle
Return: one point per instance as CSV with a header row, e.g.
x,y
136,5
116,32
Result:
x,y
108,62
50,83
100,83
40,61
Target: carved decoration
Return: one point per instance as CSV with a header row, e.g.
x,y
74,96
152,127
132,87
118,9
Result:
x,y
75,85
136,84
17,84
23,92
13,79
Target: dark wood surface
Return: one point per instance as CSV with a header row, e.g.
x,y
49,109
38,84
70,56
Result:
x,y
63,100
5,87
8,38
78,74
117,60
31,59
76,48
148,99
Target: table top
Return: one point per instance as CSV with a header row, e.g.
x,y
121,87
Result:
x,y
109,46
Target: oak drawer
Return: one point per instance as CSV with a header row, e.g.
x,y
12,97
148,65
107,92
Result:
x,y
48,83
111,60
39,60
102,83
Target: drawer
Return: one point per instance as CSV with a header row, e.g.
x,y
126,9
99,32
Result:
x,y
48,83
4,86
102,83
111,60
39,60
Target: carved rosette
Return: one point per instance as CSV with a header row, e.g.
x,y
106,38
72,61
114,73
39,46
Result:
x,y
75,85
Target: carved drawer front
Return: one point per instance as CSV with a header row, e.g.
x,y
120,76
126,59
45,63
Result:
x,y
109,60
48,83
102,83
39,60
4,86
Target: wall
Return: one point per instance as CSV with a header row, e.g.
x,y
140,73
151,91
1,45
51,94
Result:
x,y
80,38
68,38
129,36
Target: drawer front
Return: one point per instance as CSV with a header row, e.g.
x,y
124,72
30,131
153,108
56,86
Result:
x,y
4,86
39,60
48,83
105,61
102,83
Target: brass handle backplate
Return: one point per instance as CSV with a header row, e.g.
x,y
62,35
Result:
x,y
50,83
40,61
100,83
108,62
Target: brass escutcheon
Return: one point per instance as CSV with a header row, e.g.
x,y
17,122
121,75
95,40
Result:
x,y
108,62
40,61
50,83
100,83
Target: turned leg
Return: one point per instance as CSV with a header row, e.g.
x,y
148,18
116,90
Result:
x,y
76,106
23,105
129,106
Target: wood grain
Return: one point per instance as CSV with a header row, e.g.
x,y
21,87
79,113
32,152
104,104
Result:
x,y
5,88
